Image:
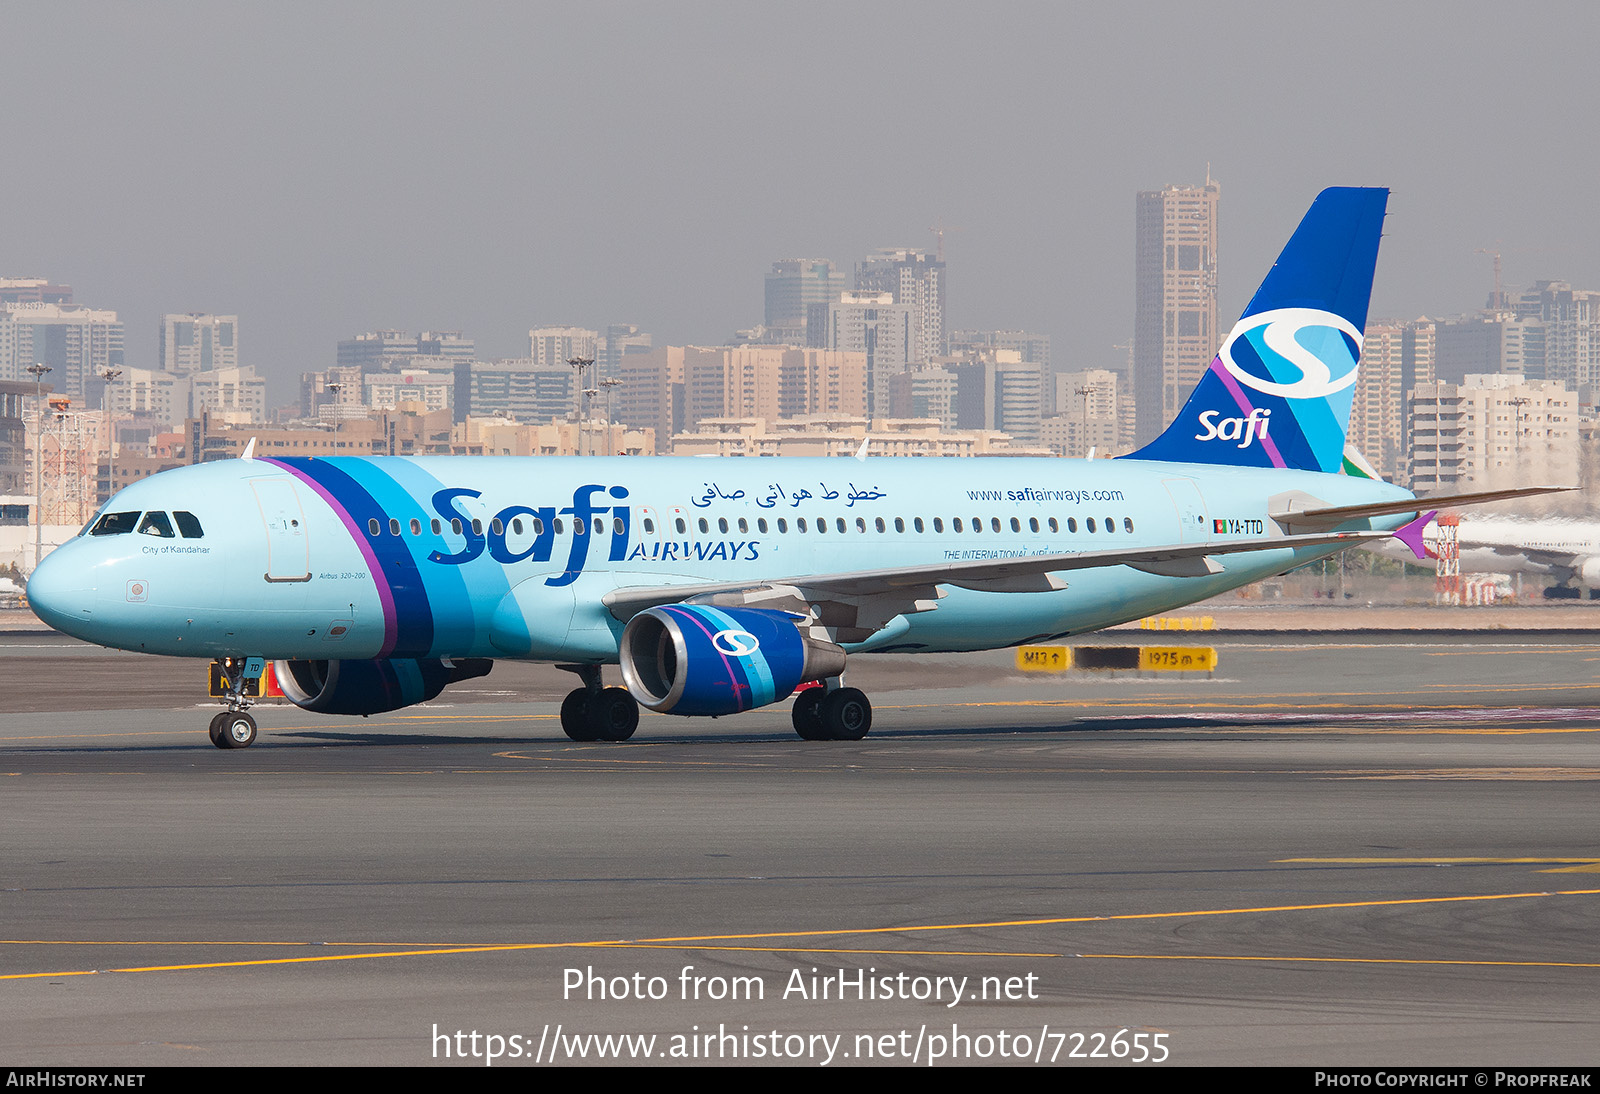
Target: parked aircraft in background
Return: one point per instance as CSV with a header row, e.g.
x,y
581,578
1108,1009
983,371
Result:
x,y
1566,550
720,585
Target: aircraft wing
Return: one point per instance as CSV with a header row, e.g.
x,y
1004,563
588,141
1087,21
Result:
x,y
861,601
1325,517
1544,556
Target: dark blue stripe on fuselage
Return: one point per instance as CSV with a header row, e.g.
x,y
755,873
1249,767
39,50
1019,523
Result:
x,y
413,613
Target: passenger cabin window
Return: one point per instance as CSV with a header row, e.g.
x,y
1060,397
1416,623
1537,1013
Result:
x,y
373,527
115,524
188,525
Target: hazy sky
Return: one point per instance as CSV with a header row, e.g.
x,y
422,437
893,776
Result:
x,y
325,169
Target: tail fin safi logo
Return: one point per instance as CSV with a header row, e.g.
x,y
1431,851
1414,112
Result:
x,y
1278,393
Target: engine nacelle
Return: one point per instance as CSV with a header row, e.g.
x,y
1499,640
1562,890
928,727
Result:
x,y
697,659
372,687
1589,573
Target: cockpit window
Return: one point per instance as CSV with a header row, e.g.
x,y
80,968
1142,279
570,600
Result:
x,y
188,524
157,523
115,524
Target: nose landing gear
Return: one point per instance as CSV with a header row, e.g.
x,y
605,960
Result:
x,y
234,728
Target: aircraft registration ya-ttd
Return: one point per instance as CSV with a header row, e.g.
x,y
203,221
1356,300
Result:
x,y
721,585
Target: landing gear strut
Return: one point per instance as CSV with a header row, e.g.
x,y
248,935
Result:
x,y
832,713
596,713
234,728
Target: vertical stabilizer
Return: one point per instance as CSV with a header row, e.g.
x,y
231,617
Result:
x,y
1278,393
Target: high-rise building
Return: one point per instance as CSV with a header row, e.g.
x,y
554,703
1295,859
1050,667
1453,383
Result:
x,y
651,396
33,290
924,391
871,323
914,279
1030,347
1377,411
1003,392
1493,432
1570,320
520,388
382,350
793,286
1175,300
771,382
13,446
619,339
1087,415
433,389
233,394
1487,343
199,343
558,345
76,342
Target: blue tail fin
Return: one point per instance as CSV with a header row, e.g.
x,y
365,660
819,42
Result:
x,y
1278,393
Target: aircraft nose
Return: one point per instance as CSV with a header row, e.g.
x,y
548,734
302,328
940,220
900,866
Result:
x,y
61,591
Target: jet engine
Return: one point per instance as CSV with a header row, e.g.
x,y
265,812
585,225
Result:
x,y
372,687
1589,573
699,659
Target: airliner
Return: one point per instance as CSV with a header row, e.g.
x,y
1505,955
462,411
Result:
x,y
1567,550
725,584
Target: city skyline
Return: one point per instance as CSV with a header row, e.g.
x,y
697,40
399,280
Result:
x,y
328,190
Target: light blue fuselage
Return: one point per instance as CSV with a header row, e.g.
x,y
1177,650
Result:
x,y
300,558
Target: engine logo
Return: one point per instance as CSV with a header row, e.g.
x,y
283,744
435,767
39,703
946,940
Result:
x,y
735,643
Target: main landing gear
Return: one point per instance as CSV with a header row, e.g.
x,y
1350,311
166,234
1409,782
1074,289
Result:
x,y
234,728
832,713
596,713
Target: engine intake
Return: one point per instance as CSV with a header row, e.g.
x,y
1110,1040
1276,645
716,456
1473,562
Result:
x,y
696,659
372,687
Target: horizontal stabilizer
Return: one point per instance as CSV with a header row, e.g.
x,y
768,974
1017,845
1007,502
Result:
x,y
1332,516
